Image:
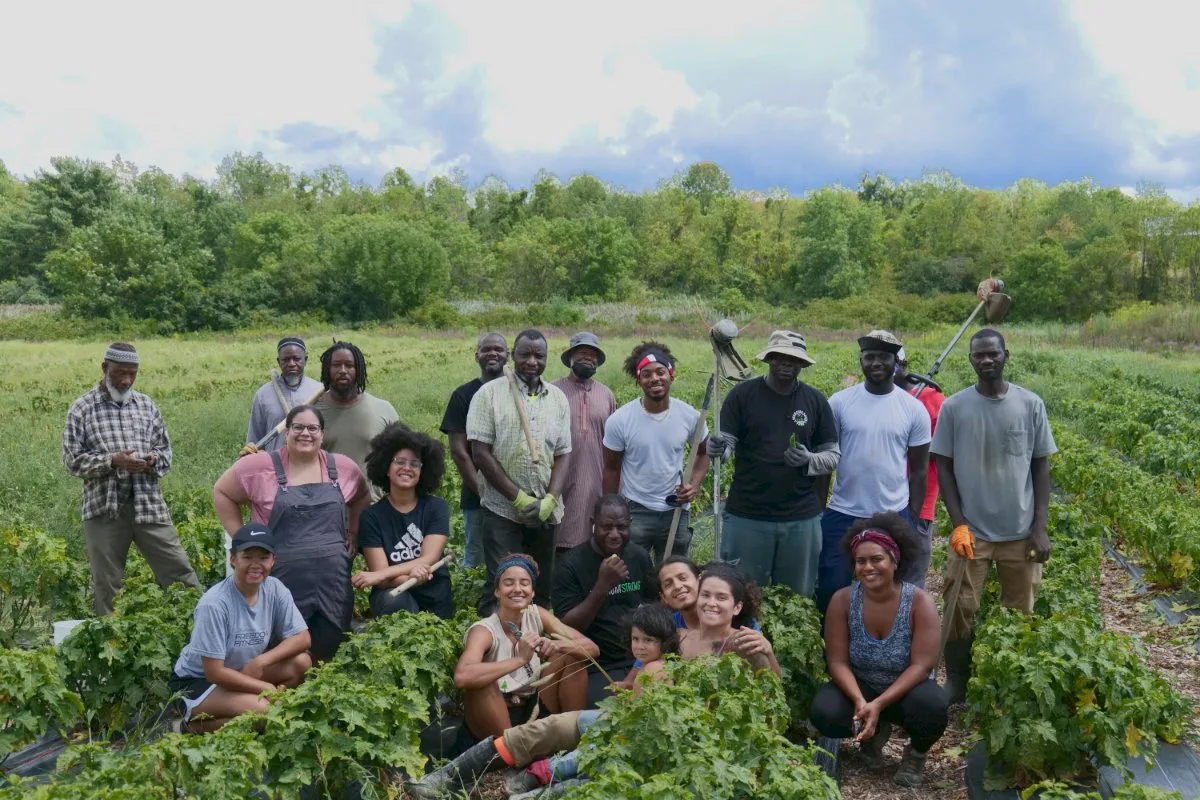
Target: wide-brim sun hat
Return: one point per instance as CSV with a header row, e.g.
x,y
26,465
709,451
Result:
x,y
787,343
583,339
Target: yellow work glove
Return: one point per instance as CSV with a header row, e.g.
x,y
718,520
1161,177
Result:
x,y
248,450
962,541
527,507
548,505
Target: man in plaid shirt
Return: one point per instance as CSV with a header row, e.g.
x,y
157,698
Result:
x,y
117,442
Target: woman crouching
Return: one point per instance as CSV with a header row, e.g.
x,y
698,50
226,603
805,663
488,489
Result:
x,y
881,644
503,656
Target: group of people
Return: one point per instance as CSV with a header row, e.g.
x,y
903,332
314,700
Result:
x,y
579,510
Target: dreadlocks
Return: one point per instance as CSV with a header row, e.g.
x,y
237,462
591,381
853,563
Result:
x,y
360,365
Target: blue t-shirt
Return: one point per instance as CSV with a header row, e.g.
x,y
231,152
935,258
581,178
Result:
x,y
229,628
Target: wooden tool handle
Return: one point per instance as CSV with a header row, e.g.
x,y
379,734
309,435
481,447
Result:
x,y
411,582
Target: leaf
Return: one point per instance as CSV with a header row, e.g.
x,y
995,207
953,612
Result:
x,y
1132,737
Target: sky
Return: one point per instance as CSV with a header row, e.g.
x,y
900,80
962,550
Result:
x,y
793,94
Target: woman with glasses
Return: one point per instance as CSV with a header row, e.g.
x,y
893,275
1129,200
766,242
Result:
x,y
404,534
311,500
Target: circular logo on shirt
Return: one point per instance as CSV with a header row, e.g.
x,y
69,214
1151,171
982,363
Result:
x,y
799,417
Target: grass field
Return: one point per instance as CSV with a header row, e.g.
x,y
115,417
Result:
x,y
204,385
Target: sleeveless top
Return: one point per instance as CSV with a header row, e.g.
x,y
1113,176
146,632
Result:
x,y
516,683
879,662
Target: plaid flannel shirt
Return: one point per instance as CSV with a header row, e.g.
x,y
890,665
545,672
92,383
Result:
x,y
97,428
493,419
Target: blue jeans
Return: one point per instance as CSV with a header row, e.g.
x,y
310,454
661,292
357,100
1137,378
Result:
x,y
774,551
834,571
566,765
473,548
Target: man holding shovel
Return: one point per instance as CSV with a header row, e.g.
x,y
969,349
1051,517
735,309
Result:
x,y
520,434
992,446
782,434
643,453
288,387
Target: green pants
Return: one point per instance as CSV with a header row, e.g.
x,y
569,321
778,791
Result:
x,y
108,543
774,551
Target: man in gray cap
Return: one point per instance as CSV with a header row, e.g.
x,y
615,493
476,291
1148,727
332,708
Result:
x,y
781,434
884,433
116,440
592,403
275,398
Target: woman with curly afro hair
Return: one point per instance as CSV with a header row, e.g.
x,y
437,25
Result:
x,y
404,534
881,644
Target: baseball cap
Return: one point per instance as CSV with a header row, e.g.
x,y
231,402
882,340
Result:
x,y
253,534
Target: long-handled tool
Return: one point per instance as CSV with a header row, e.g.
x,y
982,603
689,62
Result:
x,y
726,364
995,305
520,401
697,438
283,403
411,582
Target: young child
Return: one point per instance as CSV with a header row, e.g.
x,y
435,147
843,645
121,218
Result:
x,y
652,634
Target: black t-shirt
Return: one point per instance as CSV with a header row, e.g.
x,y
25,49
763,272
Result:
x,y
575,575
764,487
455,421
401,535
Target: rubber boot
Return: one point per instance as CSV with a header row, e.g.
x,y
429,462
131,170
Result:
x,y
459,774
912,768
872,749
958,670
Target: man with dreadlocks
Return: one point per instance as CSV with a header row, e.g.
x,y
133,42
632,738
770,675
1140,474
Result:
x,y
353,417
643,453
275,398
116,440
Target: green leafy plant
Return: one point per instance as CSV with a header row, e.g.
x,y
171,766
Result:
x,y
713,730
33,697
793,625
1048,693
37,579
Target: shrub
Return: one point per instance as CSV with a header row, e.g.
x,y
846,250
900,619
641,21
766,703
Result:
x,y
36,580
33,698
793,625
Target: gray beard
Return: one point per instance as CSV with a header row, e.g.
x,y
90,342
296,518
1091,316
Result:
x,y
118,397
293,382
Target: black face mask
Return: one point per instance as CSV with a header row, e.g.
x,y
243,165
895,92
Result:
x,y
583,370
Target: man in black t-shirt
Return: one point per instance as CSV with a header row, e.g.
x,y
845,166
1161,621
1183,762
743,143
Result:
x,y
782,436
491,354
599,583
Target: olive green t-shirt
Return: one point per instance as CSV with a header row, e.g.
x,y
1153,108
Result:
x,y
993,443
350,429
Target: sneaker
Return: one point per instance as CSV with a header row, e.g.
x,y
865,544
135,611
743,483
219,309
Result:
x,y
523,780
872,749
912,768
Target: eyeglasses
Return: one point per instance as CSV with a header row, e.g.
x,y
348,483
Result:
x,y
414,463
297,428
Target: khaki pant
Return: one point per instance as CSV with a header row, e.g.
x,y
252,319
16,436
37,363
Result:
x,y
108,543
1019,580
543,737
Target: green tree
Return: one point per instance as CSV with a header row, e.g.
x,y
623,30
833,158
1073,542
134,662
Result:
x,y
840,245
705,181
1039,276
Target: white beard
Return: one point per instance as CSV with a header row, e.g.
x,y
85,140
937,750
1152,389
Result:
x,y
293,381
118,397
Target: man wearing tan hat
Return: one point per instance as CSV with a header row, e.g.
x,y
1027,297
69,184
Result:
x,y
884,433
782,436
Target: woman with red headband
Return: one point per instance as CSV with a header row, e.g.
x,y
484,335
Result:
x,y
881,644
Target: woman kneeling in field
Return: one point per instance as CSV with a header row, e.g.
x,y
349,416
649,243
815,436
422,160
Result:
x,y
881,643
225,668
503,656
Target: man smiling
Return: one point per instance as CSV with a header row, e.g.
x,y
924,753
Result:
x,y
520,495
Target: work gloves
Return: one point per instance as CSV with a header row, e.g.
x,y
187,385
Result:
x,y
248,450
962,541
797,456
533,510
720,445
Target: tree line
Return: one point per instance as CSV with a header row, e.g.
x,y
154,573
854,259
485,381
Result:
x,y
113,241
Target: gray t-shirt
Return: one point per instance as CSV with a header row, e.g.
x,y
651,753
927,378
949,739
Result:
x,y
228,628
652,445
875,432
350,429
993,443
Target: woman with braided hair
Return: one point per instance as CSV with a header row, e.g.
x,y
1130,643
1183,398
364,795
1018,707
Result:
x,y
353,417
881,644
